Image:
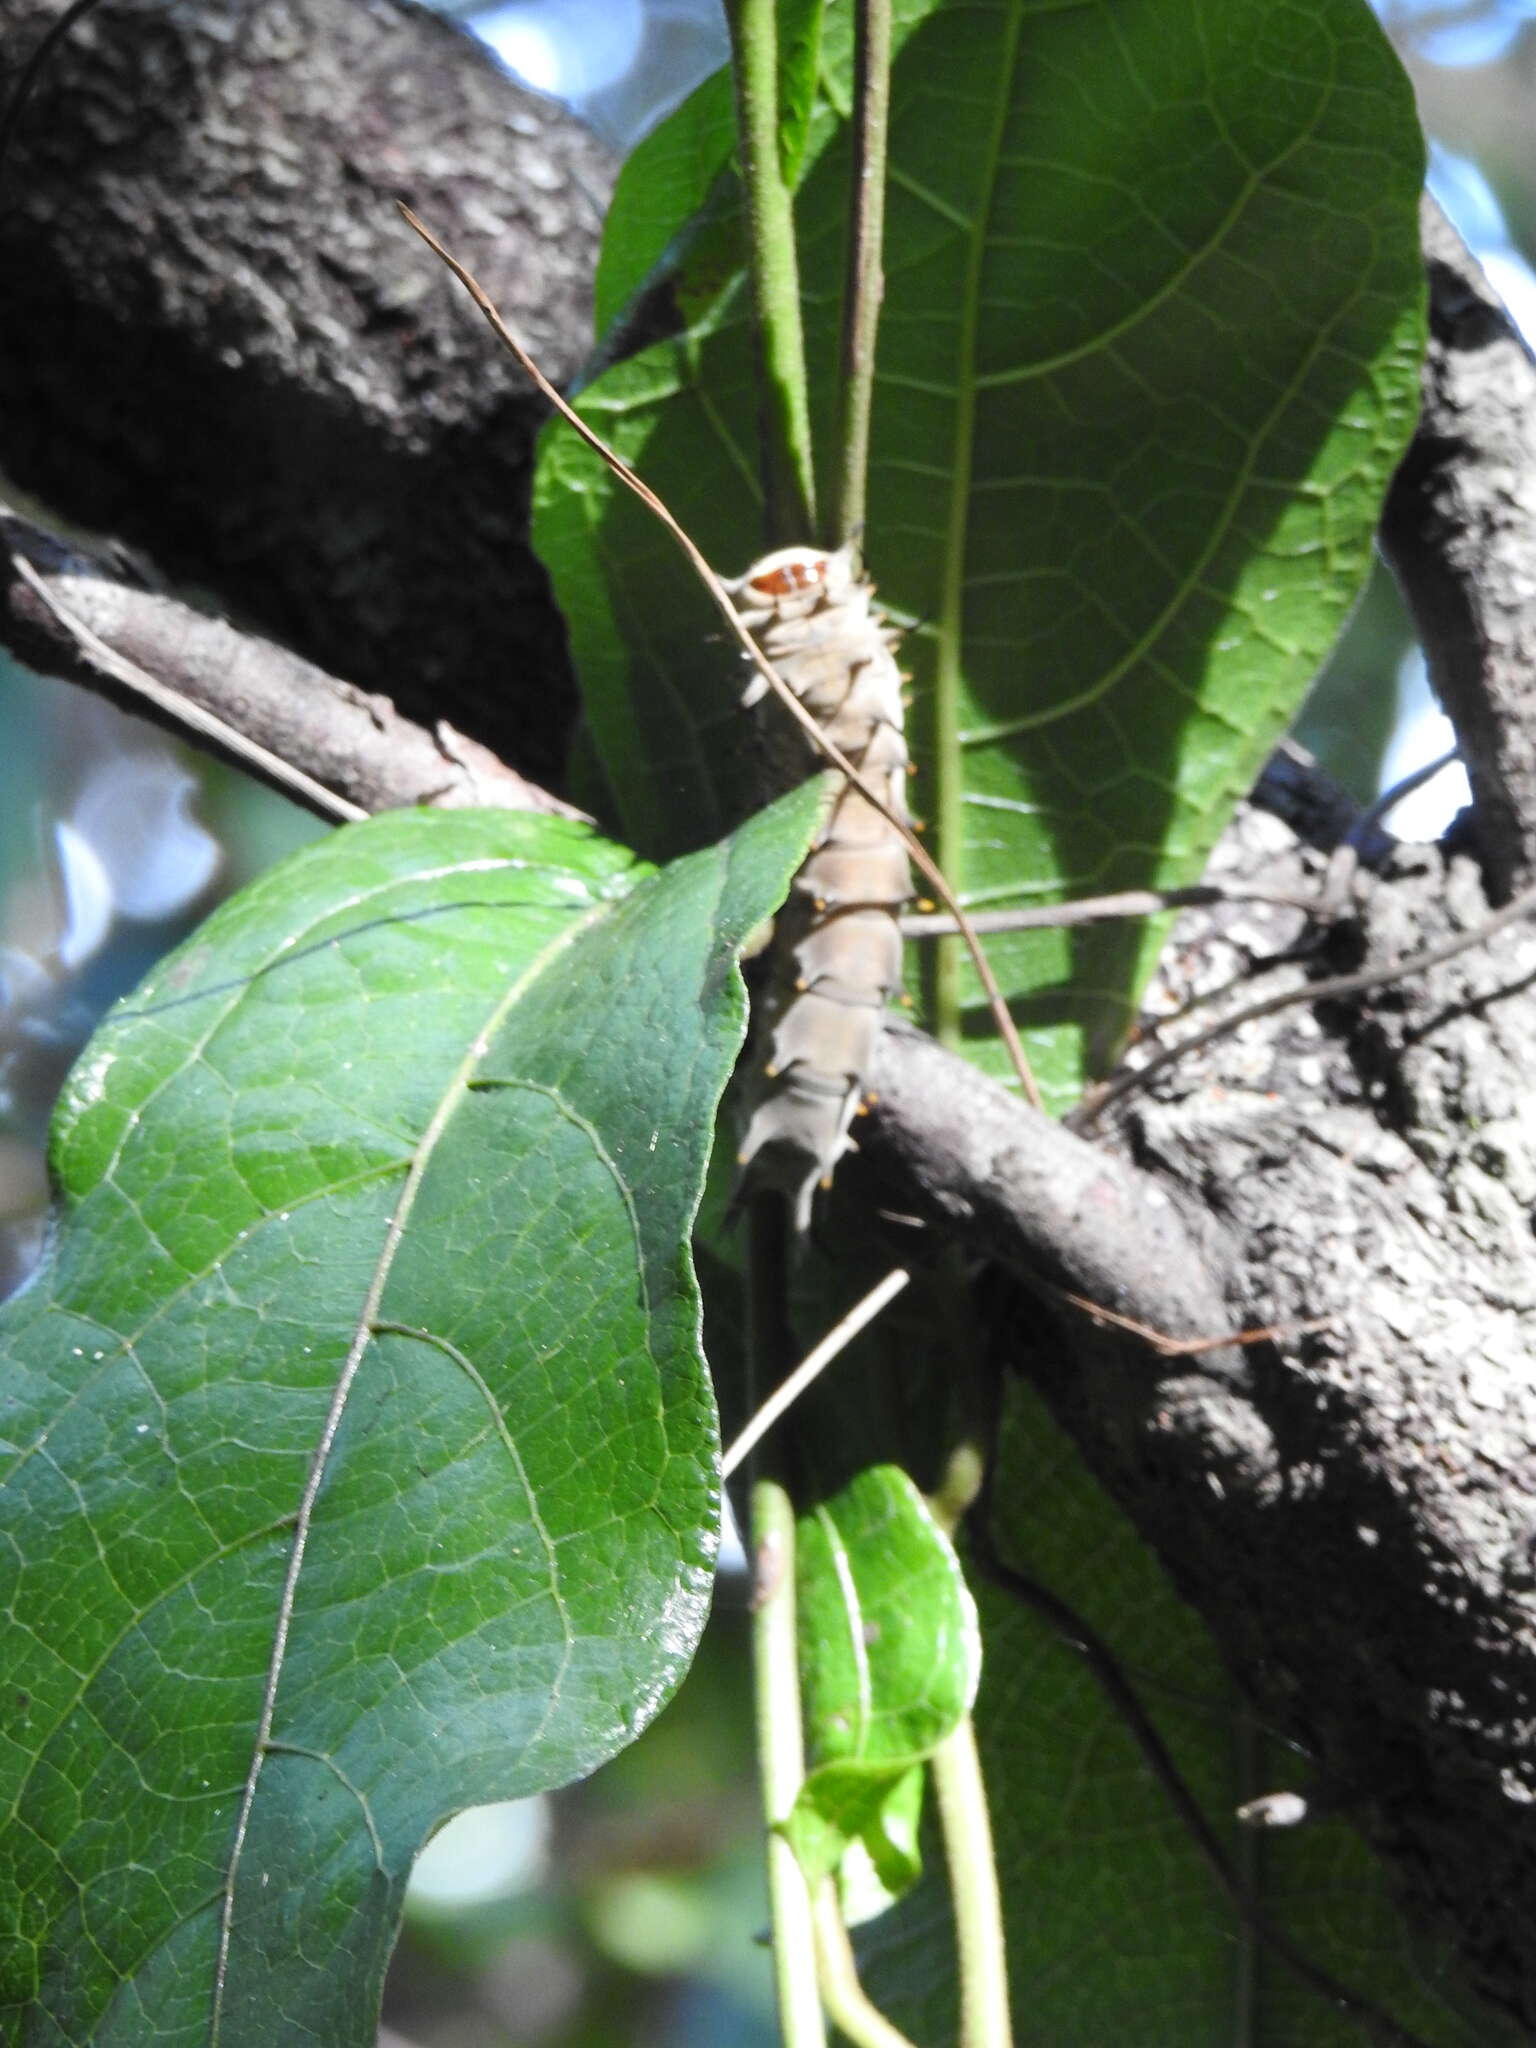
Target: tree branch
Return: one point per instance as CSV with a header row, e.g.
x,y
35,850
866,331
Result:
x,y
325,743
1352,1513
1460,532
220,345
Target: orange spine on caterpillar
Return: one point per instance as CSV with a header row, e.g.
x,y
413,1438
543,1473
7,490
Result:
x,y
837,942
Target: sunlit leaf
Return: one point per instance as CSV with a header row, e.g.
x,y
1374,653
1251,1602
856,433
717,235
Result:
x,y
363,1454
889,1662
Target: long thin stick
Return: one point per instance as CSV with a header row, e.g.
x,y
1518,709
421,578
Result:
x,y
921,857
1187,1347
1097,910
837,1339
864,277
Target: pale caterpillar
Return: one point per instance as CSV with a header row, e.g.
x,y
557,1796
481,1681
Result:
x,y
837,941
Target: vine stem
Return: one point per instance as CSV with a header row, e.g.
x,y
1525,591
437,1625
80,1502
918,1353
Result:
x,y
864,277
781,1763
849,2004
978,1907
783,394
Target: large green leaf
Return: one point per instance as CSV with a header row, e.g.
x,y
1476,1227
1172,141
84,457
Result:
x,y
889,1661
1115,1929
360,1448
1148,359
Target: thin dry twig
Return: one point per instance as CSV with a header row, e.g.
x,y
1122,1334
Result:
x,y
1097,910
920,855
1187,1347
837,1339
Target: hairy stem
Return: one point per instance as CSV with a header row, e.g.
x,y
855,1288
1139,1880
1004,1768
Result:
x,y
781,1763
864,278
783,397
978,1909
853,2011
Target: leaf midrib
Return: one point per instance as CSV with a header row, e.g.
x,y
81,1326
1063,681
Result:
x,y
455,1092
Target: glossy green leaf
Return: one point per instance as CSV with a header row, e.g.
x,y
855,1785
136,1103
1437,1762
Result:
x,y
664,182
800,71
1115,1929
1148,359
362,1454
678,184
889,1661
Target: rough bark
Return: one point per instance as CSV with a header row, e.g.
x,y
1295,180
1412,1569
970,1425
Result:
x,y
1366,1557
1372,1579
1353,1510
340,751
1460,532
221,344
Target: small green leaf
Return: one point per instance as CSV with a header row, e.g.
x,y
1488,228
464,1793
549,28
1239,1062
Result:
x,y
367,1455
889,1662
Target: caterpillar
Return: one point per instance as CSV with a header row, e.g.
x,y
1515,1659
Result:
x,y
837,941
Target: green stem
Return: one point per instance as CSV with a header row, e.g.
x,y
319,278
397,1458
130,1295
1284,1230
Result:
x,y
962,1802
849,2004
864,278
784,403
781,1764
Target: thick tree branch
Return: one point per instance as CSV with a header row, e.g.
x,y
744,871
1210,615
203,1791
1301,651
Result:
x,y
1352,1511
221,344
1460,532
72,615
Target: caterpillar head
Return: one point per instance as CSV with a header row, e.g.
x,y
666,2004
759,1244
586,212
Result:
x,y
797,572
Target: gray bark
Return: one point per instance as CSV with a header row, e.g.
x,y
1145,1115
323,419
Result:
x,y
340,751
1460,532
1352,1510
298,416
221,344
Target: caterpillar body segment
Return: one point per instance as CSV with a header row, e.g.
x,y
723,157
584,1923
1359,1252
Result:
x,y
837,945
